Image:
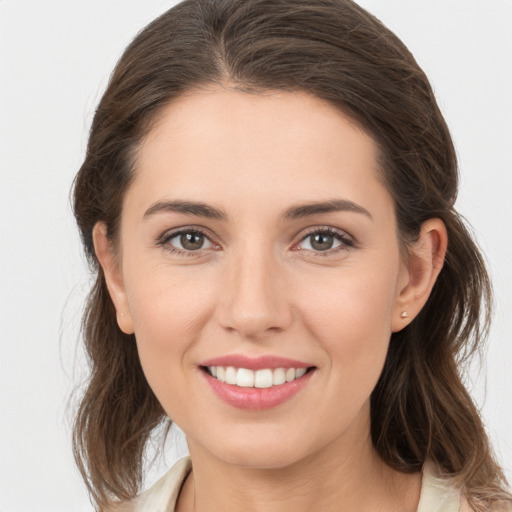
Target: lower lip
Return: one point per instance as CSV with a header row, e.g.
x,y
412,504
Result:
x,y
256,399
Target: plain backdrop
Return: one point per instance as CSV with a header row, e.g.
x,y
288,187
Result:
x,y
55,59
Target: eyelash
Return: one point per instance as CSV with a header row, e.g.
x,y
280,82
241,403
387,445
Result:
x,y
166,237
347,242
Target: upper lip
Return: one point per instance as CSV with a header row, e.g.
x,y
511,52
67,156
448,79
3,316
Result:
x,y
255,363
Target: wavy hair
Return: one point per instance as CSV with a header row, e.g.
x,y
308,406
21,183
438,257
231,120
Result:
x,y
336,51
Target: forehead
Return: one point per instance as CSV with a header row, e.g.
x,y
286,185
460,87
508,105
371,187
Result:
x,y
217,141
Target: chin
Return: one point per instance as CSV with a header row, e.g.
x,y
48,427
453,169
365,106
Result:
x,y
267,449
257,458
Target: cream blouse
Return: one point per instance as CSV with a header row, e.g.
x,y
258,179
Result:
x,y
437,495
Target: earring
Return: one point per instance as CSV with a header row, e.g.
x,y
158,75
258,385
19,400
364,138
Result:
x,y
404,314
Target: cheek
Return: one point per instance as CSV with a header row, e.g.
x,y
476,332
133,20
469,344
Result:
x,y
169,311
164,303
352,323
353,302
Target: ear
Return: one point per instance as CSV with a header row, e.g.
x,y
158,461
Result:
x,y
420,272
113,276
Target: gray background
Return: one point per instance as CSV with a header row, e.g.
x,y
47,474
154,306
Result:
x,y
55,58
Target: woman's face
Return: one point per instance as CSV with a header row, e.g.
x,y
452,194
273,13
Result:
x,y
257,235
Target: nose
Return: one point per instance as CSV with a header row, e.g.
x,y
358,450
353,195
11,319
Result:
x,y
253,299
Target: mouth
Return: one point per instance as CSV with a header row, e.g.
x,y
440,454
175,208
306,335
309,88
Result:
x,y
256,383
261,379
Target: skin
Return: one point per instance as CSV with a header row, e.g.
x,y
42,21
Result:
x,y
259,286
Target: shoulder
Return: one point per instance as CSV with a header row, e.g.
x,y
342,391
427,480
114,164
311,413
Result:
x,y
124,506
438,493
442,494
162,495
498,506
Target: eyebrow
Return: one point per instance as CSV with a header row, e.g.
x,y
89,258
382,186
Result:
x,y
186,207
333,205
200,209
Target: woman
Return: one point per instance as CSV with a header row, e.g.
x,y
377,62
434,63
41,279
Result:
x,y
268,201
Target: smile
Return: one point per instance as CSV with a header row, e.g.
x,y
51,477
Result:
x,y
264,378
256,383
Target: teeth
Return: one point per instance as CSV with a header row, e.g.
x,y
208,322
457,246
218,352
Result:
x,y
230,375
265,378
244,378
299,372
278,376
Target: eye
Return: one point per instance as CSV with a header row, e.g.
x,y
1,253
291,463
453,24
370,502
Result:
x,y
186,241
326,240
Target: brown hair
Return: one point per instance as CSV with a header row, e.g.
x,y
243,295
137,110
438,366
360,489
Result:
x,y
334,50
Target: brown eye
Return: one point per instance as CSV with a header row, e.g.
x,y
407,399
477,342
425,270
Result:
x,y
187,241
326,240
321,241
192,241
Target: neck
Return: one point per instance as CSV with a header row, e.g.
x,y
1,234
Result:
x,y
346,475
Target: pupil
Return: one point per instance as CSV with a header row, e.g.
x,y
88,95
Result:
x,y
322,242
192,241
